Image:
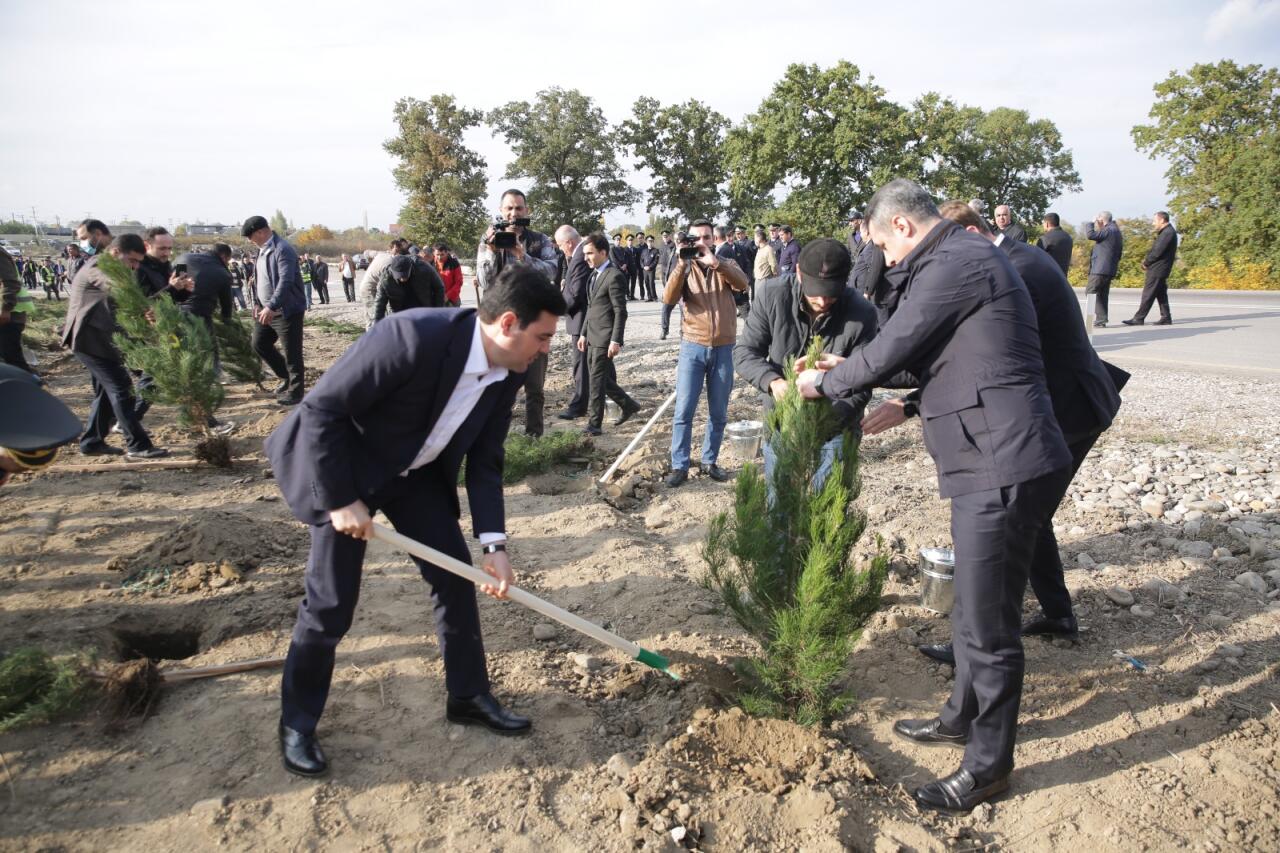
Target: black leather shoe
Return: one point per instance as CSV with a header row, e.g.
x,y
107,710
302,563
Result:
x,y
592,430
484,710
1133,322
1099,325
941,652
627,414
570,415
281,388
929,732
289,399
101,450
1062,627
959,792
1163,323
718,474
302,753
676,478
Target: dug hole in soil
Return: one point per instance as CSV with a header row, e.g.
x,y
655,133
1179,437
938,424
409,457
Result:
x,y
204,566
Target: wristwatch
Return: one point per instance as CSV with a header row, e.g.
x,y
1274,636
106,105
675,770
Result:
x,y
817,382
494,546
910,407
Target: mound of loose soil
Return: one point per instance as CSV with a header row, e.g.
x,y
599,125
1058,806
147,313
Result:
x,y
221,536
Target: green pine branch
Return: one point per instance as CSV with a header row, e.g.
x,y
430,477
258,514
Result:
x,y
784,569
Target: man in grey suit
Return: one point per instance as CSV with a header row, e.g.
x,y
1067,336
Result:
x,y
966,329
602,332
1104,261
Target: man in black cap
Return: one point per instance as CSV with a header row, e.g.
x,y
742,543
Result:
x,y
279,304
408,282
33,423
789,312
855,232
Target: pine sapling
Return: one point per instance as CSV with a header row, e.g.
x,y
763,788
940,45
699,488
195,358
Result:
x,y
782,563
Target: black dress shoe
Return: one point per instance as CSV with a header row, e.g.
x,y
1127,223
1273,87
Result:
x,y
1065,626
281,388
592,430
570,415
627,414
1133,322
1168,322
941,652
718,474
929,732
959,792
302,753
101,450
289,399
676,478
1102,325
484,710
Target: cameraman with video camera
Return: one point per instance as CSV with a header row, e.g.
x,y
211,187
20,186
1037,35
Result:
x,y
507,242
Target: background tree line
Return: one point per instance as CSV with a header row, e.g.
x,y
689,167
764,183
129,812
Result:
x,y
823,139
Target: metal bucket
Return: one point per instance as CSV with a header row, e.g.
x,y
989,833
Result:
x,y
937,579
744,438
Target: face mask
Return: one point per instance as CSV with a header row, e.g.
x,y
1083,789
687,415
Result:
x,y
87,247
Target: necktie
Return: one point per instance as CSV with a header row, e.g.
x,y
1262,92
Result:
x,y
591,285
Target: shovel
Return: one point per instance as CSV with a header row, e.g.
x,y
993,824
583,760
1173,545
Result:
x,y
518,595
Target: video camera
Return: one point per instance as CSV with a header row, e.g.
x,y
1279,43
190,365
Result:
x,y
689,248
504,239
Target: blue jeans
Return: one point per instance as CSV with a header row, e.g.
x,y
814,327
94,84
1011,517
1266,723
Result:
x,y
714,365
831,451
306,285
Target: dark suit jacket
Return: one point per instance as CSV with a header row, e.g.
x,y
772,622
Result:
x,y
1085,400
1159,259
1058,244
620,257
1105,257
320,272
966,327
1015,232
575,292
91,319
423,289
607,309
370,414
213,285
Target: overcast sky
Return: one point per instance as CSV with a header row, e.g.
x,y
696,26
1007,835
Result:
x,y
159,112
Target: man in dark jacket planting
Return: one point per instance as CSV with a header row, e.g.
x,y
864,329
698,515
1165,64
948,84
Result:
x,y
789,312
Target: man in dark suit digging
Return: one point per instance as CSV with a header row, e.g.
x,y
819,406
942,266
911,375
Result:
x,y
386,428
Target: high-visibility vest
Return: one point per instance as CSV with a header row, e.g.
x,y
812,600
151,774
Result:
x,y
306,272
25,305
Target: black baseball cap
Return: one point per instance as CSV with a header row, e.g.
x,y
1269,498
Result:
x,y
855,214
253,224
401,267
824,266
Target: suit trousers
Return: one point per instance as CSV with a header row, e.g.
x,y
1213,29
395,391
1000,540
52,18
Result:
x,y
1154,289
287,330
604,383
633,277
535,400
1047,580
581,381
1100,285
322,291
349,289
113,402
649,290
418,506
995,533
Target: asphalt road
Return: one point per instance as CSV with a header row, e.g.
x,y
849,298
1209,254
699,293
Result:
x,y
1230,332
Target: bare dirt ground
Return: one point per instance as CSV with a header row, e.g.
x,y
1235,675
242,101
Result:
x,y
1181,755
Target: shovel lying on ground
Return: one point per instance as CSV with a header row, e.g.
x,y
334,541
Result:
x,y
632,446
518,595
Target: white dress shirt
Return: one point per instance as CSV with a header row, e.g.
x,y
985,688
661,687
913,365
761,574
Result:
x,y
477,375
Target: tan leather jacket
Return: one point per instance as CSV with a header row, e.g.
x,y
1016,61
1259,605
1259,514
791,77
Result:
x,y
710,315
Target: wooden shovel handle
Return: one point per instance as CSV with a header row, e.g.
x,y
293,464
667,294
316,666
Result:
x,y
169,676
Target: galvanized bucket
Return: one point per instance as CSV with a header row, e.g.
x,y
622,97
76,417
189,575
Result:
x,y
937,579
744,438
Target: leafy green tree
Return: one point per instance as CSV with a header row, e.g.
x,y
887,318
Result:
x,y
279,224
682,147
1002,156
443,179
825,135
15,227
563,144
1218,125
784,568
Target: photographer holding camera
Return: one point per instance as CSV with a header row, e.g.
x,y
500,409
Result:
x,y
507,242
707,284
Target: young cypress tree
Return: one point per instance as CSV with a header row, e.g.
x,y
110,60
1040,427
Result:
x,y
783,563
165,342
235,347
